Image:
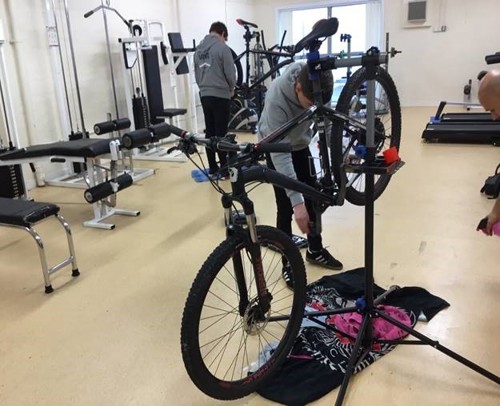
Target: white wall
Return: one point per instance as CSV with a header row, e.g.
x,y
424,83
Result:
x,y
433,66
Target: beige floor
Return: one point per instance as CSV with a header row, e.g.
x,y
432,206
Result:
x,y
111,336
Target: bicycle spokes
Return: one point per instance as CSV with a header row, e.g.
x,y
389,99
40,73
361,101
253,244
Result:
x,y
245,312
352,102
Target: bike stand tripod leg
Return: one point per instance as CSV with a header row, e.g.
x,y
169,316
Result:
x,y
354,360
435,344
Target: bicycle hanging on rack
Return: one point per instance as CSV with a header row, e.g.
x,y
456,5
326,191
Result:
x,y
248,102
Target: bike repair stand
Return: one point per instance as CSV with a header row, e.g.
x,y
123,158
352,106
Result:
x,y
367,305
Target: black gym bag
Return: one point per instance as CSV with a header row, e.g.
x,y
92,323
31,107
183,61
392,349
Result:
x,y
491,186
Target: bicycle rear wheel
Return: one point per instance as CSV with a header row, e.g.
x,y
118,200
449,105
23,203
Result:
x,y
346,136
229,346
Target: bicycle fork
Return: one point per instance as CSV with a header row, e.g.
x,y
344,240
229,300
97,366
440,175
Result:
x,y
249,237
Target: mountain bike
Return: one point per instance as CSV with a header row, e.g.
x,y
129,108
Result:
x,y
240,319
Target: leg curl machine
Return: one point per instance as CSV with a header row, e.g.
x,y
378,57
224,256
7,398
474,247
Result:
x,y
104,182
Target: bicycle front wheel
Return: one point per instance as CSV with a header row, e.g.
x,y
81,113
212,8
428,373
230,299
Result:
x,y
230,342
346,136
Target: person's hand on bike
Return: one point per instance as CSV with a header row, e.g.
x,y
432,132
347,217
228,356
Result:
x,y
486,225
301,217
493,217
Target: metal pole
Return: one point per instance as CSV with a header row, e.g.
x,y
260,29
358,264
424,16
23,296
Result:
x,y
369,208
108,46
61,61
77,86
6,98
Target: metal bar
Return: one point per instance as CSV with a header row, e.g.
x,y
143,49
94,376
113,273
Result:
x,y
72,50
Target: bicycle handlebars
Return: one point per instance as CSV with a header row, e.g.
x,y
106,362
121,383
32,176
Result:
x,y
222,144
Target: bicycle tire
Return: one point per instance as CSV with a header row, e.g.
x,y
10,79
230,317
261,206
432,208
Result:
x,y
345,136
214,274
239,68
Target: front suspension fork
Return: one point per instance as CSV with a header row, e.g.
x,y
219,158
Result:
x,y
249,237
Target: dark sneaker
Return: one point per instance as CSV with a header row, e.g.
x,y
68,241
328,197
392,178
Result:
x,y
286,272
324,258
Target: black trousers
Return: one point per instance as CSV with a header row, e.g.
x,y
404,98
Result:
x,y
305,171
216,111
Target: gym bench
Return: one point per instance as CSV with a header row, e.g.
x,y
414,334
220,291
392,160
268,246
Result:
x,y
23,215
103,182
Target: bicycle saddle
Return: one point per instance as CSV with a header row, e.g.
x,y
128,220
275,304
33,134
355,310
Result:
x,y
322,29
243,22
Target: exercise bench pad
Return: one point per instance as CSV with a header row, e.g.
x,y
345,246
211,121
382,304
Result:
x,y
84,148
23,212
169,113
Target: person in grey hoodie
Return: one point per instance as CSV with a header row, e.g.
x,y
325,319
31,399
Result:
x,y
288,96
215,75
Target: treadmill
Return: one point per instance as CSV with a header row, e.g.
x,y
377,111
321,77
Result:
x,y
477,128
467,128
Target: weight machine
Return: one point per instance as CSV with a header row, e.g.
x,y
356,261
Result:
x,y
141,74
141,60
71,114
11,176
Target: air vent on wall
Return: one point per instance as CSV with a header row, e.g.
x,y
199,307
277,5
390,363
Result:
x,y
415,14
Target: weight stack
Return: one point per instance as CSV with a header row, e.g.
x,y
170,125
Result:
x,y
11,181
78,167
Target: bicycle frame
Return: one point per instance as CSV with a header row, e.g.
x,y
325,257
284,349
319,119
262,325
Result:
x,y
240,175
322,199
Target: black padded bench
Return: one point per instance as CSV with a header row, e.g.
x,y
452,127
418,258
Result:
x,y
84,148
23,214
170,113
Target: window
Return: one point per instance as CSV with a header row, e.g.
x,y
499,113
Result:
x,y
359,19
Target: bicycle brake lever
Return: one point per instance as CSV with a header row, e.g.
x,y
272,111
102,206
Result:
x,y
185,146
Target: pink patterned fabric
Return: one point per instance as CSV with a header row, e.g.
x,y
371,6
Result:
x,y
350,323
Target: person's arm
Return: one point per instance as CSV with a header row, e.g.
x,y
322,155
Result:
x,y
302,217
196,69
229,68
283,163
493,217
